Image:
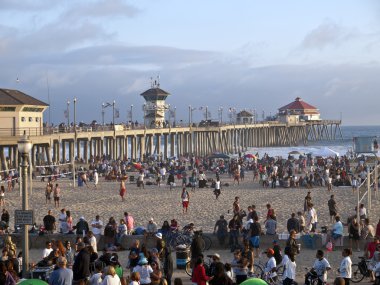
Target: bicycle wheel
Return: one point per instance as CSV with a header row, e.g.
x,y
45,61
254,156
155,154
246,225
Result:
x,y
280,270
357,275
258,272
207,242
188,269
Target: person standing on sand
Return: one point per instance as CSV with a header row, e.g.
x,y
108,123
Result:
x,y
185,197
332,208
236,206
123,190
48,191
96,178
56,195
307,201
217,190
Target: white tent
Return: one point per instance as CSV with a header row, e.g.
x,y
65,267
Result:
x,y
325,152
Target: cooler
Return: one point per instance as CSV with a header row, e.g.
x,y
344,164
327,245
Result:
x,y
182,257
309,241
42,273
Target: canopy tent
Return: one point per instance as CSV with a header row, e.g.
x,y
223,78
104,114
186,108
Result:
x,y
295,152
325,152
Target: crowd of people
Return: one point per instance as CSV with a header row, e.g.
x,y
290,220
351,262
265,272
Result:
x,y
242,233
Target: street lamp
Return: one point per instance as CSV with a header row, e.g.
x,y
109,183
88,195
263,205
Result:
x,y
75,117
68,114
206,113
175,113
24,146
103,113
144,110
221,114
113,114
131,114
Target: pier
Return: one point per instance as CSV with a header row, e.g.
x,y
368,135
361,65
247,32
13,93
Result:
x,y
65,145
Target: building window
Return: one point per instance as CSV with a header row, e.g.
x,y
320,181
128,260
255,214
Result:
x,y
32,109
22,119
7,109
37,119
30,119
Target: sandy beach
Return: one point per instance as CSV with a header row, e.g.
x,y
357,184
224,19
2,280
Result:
x,y
161,203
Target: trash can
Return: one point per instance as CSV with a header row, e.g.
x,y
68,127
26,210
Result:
x,y
182,257
309,241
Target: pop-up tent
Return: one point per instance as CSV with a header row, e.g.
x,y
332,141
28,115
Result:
x,y
325,152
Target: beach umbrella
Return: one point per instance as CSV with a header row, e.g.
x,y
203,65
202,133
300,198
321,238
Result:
x,y
32,282
137,165
295,152
254,281
249,155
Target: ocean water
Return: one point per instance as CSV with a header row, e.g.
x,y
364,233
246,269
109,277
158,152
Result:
x,y
339,145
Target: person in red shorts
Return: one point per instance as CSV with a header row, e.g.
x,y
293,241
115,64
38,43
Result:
x,y
185,197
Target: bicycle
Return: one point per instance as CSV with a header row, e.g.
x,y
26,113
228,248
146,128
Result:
x,y
360,270
313,278
206,264
180,238
259,272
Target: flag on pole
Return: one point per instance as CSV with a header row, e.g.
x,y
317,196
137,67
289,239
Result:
x,y
117,113
66,114
200,108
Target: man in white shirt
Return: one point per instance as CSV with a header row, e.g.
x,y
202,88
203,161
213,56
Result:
x,y
271,266
62,221
92,241
97,226
47,250
312,218
319,270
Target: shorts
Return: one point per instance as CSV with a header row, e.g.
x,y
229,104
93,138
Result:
x,y
185,204
56,198
255,241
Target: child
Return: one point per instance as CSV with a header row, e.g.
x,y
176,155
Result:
x,y
228,269
135,278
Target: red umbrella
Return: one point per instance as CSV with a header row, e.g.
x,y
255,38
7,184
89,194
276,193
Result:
x,y
249,155
137,165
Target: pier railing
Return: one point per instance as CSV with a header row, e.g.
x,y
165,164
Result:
x,y
45,131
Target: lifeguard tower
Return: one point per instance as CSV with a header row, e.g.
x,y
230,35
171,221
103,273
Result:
x,y
155,105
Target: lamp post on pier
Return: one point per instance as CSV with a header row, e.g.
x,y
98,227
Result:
x,y
131,114
68,114
24,146
220,111
103,114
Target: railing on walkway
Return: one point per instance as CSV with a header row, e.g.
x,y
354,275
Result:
x,y
15,132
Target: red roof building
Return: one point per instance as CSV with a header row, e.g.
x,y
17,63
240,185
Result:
x,y
298,111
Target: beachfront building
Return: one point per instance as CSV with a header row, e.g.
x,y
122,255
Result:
x,y
245,117
298,111
20,112
155,106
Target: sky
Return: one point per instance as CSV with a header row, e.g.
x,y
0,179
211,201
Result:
x,y
243,54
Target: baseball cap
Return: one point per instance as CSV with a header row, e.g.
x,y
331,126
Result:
x,y
158,235
270,251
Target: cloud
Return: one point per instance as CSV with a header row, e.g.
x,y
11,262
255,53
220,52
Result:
x,y
99,9
27,5
327,34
